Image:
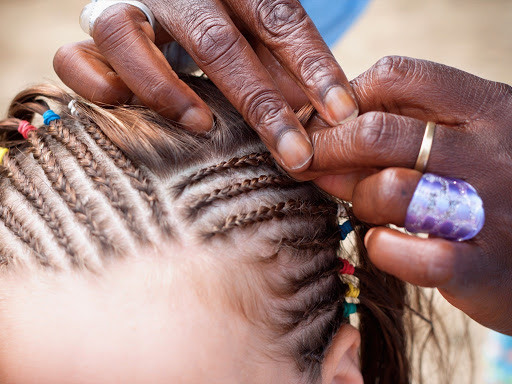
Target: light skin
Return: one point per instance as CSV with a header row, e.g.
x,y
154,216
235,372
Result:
x,y
150,321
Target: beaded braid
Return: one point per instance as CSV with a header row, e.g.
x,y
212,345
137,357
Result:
x,y
61,184
137,178
98,175
31,192
252,160
237,189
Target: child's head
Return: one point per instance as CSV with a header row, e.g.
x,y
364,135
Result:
x,y
133,251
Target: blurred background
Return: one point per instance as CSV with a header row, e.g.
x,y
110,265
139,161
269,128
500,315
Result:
x,y
473,35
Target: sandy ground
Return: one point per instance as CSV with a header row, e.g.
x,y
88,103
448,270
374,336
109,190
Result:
x,y
474,35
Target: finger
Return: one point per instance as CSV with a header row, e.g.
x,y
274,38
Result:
x,y
84,69
425,90
125,38
383,198
380,140
342,186
217,46
289,33
468,279
424,262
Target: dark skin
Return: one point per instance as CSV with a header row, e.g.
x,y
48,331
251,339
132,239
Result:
x,y
366,160
236,43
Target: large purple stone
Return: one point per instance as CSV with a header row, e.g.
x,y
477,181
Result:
x,y
445,207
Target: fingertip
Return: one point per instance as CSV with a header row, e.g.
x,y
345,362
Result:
x,y
295,151
197,119
340,106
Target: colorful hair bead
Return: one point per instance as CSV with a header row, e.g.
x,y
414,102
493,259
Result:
x,y
50,116
349,309
353,291
345,229
347,269
3,152
25,127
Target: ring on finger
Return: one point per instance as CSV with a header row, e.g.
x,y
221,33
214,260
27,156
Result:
x,y
93,10
445,207
426,147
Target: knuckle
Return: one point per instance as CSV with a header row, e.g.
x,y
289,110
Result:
x,y
263,108
64,57
115,24
391,69
216,41
281,17
373,135
314,69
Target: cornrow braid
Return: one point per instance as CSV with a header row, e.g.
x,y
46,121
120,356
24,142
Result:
x,y
11,222
252,160
138,180
97,174
61,184
246,186
29,190
267,213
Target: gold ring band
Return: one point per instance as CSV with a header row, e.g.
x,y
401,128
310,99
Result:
x,y
426,147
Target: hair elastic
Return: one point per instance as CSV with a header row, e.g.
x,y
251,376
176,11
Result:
x,y
349,309
345,229
25,127
3,152
50,116
353,291
347,269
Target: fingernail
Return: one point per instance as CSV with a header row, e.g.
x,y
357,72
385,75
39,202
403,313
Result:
x,y
341,106
295,150
367,237
197,120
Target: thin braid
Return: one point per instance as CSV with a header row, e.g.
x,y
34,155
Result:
x,y
267,213
252,160
137,179
30,239
61,184
27,188
97,174
238,189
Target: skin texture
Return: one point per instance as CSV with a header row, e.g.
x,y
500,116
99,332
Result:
x,y
247,47
366,161
143,320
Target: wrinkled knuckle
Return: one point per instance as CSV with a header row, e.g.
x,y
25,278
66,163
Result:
x,y
314,69
371,135
263,108
391,69
215,40
114,25
280,18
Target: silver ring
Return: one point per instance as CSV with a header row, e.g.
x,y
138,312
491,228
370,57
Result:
x,y
93,10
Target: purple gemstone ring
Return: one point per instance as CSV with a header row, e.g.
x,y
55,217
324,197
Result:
x,y
445,207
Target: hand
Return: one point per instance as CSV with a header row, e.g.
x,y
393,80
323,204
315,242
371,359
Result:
x,y
249,48
369,161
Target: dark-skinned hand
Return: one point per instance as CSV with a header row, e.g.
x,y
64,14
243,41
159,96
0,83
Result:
x,y
368,161
248,48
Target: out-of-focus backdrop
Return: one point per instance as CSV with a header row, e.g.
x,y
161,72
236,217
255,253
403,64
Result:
x,y
474,35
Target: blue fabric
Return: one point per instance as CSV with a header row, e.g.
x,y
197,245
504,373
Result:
x,y
334,17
